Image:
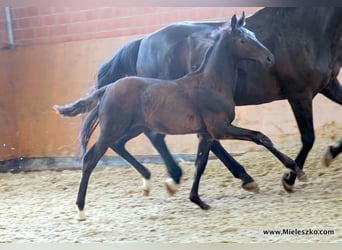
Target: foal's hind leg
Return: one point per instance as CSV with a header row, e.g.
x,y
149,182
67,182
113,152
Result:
x,y
175,172
119,148
90,160
201,163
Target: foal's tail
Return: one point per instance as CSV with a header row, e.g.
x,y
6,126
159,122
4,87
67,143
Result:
x,y
83,105
122,64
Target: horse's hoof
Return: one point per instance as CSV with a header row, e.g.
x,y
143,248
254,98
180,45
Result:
x,y
327,157
81,215
146,187
171,186
287,186
251,187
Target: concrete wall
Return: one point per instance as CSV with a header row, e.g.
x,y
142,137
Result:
x,y
58,51
8,125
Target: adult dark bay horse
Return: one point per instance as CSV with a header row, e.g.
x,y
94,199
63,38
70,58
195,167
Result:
x,y
306,43
200,103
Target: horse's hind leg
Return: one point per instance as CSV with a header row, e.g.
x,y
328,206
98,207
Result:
x,y
90,160
201,163
175,172
234,167
119,148
333,91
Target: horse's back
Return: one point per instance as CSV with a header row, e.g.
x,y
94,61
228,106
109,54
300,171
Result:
x,y
163,54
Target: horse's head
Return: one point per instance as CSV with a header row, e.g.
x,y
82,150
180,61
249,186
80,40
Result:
x,y
245,45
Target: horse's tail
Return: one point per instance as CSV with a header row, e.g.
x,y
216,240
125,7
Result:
x,y
122,64
83,105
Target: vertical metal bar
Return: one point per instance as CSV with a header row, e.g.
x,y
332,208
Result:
x,y
9,27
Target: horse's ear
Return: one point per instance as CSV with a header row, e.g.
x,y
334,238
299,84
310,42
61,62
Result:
x,y
242,19
233,22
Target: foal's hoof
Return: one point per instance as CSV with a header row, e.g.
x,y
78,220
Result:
x,y
204,206
327,157
171,186
145,192
286,185
146,187
301,175
251,187
81,215
200,203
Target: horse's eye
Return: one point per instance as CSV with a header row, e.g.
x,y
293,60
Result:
x,y
242,41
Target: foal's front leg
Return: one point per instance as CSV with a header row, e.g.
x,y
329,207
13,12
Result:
x,y
234,167
204,146
229,131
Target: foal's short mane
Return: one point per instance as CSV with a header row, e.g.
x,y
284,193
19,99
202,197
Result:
x,y
216,35
218,31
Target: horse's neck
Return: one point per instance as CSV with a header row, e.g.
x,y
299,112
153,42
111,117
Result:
x,y
315,20
323,25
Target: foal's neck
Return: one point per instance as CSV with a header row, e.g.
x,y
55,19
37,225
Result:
x,y
220,71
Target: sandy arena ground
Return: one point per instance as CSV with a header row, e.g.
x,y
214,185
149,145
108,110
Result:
x,y
39,206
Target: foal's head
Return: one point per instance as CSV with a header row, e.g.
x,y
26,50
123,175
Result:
x,y
244,44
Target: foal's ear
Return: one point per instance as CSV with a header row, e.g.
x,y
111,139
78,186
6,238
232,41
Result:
x,y
242,19
233,22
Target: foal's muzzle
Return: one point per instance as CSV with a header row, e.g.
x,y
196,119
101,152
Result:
x,y
268,60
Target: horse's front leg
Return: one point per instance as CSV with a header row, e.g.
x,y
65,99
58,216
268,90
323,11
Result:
x,y
204,146
331,153
302,109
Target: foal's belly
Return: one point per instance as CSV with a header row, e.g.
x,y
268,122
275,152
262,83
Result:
x,y
168,110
